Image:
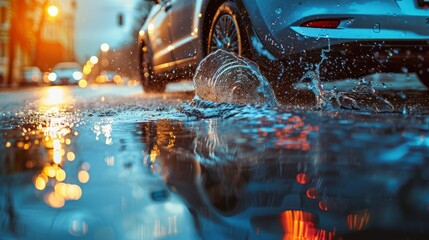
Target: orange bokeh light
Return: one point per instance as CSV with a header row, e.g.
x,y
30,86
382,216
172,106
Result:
x,y
83,176
300,225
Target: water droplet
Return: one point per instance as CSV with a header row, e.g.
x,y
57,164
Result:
x,y
349,22
376,28
278,11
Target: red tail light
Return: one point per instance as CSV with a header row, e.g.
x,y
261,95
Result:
x,y
323,23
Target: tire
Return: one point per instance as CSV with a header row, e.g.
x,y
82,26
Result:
x,y
228,12
150,83
227,31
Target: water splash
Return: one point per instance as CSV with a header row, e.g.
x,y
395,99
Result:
x,y
223,77
362,98
200,109
224,81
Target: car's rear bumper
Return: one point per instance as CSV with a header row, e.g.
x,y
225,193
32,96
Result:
x,y
280,28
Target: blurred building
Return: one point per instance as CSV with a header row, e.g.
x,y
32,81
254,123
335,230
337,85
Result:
x,y
30,36
57,36
4,37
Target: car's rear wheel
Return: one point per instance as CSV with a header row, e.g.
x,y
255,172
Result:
x,y
150,82
227,31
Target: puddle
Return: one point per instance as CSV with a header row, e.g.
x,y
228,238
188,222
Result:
x,y
229,165
241,177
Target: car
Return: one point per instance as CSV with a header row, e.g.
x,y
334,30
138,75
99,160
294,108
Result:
x,y
338,38
32,75
109,76
65,73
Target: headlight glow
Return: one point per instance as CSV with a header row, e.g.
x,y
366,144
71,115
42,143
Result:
x,y
52,76
77,75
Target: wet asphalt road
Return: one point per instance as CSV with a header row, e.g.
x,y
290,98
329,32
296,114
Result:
x,y
58,141
110,162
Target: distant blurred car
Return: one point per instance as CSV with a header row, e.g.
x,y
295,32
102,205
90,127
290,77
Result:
x,y
31,75
109,75
106,77
66,73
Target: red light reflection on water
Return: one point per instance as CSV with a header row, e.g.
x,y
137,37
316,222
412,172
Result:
x,y
300,225
312,193
359,220
293,135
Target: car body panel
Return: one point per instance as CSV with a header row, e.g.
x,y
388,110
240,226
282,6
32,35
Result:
x,y
184,28
278,25
159,35
183,34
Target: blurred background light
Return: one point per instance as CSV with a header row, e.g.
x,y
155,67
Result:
x,y
53,11
104,47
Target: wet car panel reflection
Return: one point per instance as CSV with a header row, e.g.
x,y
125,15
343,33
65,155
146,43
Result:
x,y
244,191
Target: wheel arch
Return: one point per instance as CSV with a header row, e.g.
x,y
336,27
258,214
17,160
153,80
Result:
x,y
208,12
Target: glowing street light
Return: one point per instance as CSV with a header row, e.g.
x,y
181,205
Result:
x,y
53,11
104,56
94,60
104,47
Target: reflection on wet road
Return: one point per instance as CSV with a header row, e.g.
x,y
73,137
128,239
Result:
x,y
114,163
68,171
